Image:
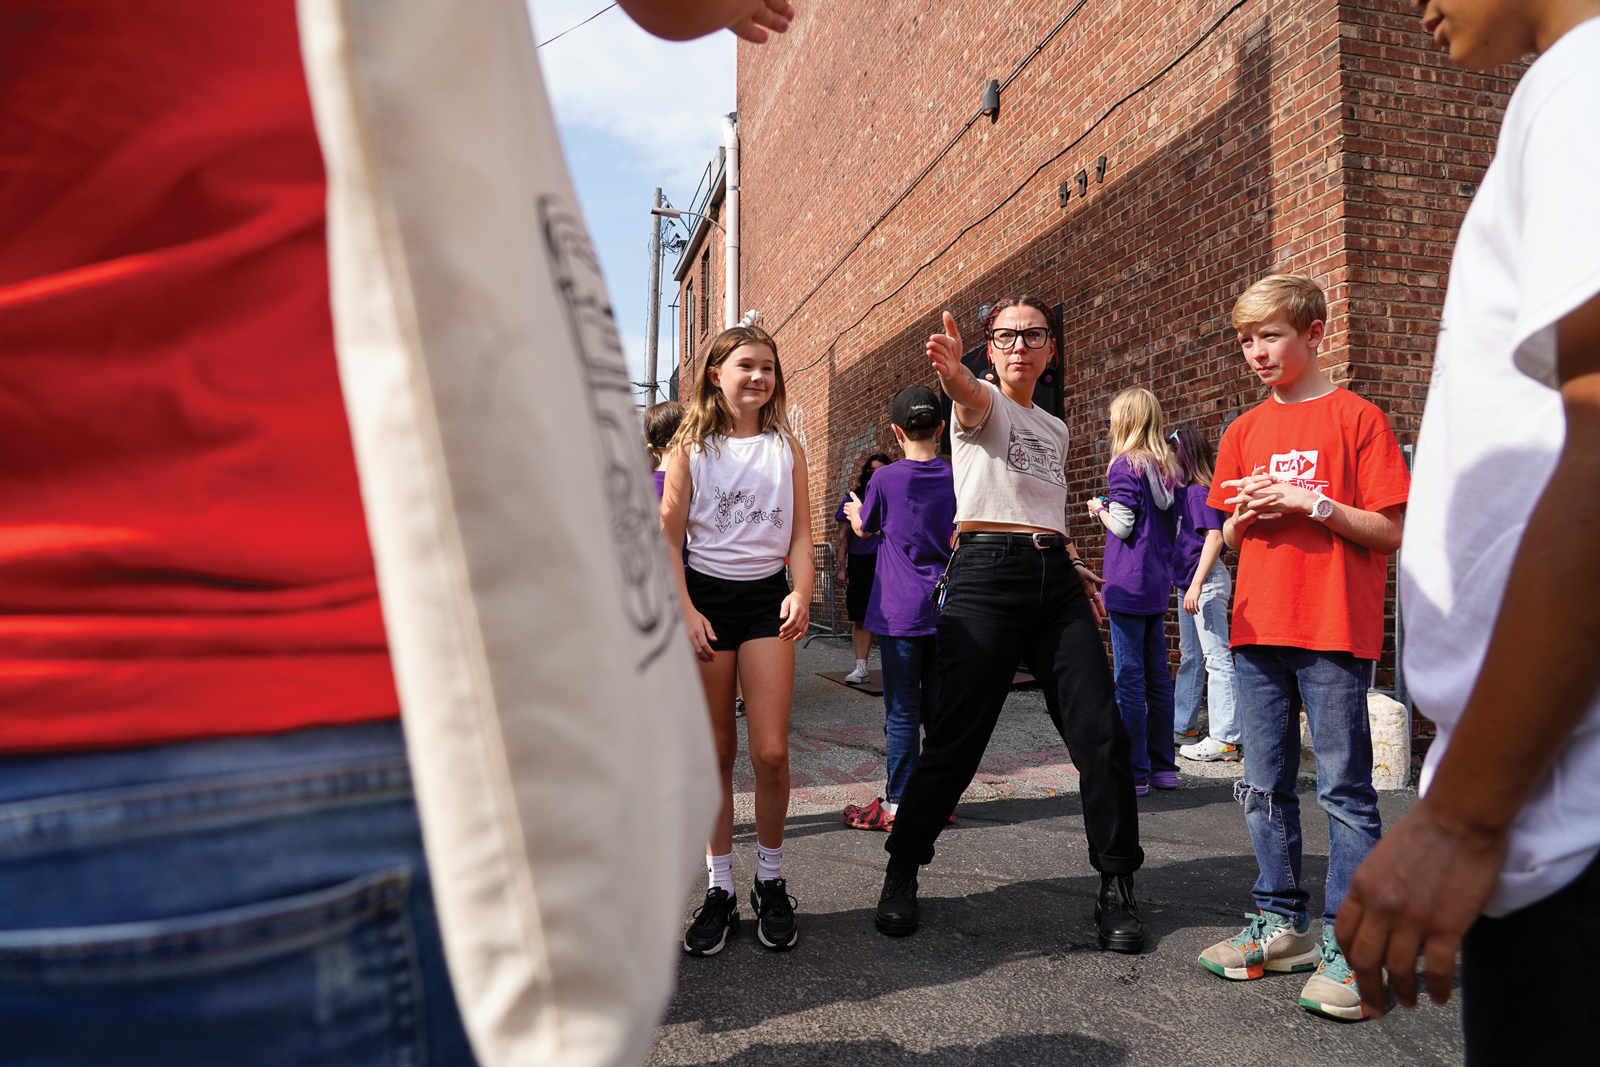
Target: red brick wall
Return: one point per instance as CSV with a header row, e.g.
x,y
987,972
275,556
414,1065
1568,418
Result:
x,y
1269,135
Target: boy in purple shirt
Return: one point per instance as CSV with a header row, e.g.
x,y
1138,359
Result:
x,y
913,504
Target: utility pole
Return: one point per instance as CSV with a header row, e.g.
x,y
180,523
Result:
x,y
653,330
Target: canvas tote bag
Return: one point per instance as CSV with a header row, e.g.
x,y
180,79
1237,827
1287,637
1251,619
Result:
x,y
552,708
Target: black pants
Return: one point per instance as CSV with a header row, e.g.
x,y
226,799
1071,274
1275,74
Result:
x,y
1527,980
1006,603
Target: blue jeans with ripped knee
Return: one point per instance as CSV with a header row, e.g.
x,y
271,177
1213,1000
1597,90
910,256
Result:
x,y
1272,684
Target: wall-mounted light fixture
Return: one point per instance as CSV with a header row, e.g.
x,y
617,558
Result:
x,y
675,213
991,101
1083,183
1064,193
1100,169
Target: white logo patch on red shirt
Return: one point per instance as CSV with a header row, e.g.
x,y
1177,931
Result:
x,y
1297,467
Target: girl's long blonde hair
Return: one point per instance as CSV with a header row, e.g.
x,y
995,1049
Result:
x,y
707,413
1139,432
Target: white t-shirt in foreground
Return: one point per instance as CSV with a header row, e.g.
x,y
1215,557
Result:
x,y
1528,253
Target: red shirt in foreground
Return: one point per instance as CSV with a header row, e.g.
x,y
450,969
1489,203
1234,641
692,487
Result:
x,y
182,547
1300,584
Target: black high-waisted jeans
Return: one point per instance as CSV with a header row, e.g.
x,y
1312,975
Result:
x,y
1005,603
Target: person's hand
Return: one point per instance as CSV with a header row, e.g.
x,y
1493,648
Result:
x,y
944,349
841,576
1284,498
1191,599
773,15
1091,587
1419,890
1096,506
1246,509
684,20
796,616
700,635
852,510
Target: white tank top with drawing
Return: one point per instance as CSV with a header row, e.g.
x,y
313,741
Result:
x,y
741,506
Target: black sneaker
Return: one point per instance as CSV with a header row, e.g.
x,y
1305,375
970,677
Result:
x,y
714,922
774,909
897,904
1116,913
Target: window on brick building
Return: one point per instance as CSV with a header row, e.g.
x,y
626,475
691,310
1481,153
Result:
x,y
688,324
705,290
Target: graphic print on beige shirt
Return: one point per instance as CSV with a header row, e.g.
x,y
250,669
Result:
x,y
1010,468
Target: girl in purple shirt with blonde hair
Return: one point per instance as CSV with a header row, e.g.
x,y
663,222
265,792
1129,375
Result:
x,y
1141,525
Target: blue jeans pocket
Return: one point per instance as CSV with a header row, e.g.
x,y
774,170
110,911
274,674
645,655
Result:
x,y
329,976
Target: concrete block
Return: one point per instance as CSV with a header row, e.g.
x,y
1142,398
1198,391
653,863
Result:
x,y
1391,742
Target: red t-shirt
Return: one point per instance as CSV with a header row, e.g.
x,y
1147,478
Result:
x,y
1300,584
182,546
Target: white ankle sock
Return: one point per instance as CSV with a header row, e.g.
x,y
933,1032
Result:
x,y
720,868
769,862
891,807
861,665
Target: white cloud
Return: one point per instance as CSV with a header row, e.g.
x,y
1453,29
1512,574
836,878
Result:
x,y
664,100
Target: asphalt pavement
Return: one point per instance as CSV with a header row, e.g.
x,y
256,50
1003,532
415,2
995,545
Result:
x,y
1005,968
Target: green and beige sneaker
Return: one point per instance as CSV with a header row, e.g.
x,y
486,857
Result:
x,y
1270,943
1332,990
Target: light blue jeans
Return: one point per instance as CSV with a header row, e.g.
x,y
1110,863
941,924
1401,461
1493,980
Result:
x,y
244,901
1207,661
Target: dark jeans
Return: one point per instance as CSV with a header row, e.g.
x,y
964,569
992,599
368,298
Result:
x,y
1144,689
252,900
1273,682
1006,602
1526,983
910,692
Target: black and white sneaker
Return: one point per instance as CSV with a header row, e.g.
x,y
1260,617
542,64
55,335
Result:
x,y
774,909
714,922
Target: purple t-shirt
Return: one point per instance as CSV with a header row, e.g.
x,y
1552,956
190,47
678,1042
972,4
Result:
x,y
1195,517
857,546
913,504
1138,571
660,476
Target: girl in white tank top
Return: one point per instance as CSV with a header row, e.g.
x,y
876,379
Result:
x,y
736,487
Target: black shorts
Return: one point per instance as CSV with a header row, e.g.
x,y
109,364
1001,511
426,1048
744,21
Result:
x,y
859,569
738,611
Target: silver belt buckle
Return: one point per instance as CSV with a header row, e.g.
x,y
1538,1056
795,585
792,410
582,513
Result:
x,y
1039,544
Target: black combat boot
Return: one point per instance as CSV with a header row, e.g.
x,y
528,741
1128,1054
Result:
x,y
1116,913
897,904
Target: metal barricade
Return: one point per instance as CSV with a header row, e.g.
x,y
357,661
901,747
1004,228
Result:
x,y
824,597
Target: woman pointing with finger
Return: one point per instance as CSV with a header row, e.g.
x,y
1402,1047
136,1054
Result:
x,y
1016,590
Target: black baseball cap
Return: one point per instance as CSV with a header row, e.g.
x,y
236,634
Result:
x,y
916,407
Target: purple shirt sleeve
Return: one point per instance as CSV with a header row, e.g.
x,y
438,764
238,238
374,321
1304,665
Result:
x,y
1126,487
873,508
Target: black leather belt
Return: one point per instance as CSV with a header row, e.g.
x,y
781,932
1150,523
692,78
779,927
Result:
x,y
1044,542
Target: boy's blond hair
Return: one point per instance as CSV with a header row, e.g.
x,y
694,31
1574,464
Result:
x,y
1138,431
1298,297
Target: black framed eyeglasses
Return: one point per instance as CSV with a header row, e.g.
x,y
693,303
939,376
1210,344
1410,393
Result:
x,y
1004,340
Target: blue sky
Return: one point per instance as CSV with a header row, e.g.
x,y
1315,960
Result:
x,y
635,112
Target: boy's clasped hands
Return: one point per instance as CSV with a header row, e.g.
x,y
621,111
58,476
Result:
x,y
1266,496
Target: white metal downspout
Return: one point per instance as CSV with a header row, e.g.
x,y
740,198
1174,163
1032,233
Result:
x,y
730,138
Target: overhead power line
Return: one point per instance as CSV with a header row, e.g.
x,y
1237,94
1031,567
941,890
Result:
x,y
569,29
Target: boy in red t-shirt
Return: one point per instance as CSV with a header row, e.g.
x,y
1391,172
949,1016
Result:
x,y
1316,485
